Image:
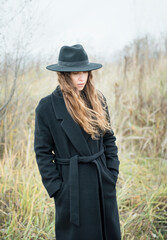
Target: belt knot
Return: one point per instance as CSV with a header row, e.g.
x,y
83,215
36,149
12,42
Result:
x,y
74,181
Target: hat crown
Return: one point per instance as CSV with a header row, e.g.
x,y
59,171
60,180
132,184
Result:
x,y
75,53
73,58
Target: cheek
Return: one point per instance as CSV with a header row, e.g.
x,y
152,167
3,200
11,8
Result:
x,y
75,80
86,78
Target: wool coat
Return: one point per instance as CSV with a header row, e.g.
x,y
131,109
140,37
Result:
x,y
78,172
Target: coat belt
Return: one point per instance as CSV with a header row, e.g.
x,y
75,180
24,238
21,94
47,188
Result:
x,y
74,183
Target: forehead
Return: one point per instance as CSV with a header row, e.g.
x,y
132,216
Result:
x,y
80,72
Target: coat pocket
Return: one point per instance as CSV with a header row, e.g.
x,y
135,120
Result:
x,y
59,194
112,176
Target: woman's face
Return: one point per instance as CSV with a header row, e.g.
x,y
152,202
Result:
x,y
79,79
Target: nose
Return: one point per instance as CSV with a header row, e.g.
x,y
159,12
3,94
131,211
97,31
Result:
x,y
81,75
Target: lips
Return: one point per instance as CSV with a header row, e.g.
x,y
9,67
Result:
x,y
80,84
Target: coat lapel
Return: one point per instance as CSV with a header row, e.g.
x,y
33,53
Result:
x,y
70,127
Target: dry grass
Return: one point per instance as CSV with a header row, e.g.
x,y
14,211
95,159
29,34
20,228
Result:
x,y
28,213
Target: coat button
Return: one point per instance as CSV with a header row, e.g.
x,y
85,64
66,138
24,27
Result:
x,y
53,161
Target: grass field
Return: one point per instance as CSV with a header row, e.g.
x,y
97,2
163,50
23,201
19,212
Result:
x,y
28,213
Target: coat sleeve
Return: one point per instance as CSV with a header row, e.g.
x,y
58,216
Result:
x,y
43,146
110,147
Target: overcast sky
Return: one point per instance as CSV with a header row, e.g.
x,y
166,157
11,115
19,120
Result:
x,y
102,27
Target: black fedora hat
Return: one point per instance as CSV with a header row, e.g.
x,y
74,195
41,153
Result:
x,y
73,59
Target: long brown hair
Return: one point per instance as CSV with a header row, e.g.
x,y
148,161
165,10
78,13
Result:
x,y
93,118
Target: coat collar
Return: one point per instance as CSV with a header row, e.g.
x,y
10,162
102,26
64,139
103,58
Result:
x,y
70,127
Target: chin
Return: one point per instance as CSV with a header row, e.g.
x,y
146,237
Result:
x,y
80,88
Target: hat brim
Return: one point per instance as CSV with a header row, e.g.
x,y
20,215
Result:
x,y
88,67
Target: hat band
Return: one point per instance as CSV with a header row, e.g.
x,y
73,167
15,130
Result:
x,y
71,64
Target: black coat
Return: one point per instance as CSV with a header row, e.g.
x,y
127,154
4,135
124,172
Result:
x,y
78,172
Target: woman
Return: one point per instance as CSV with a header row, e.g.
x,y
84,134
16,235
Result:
x,y
76,151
